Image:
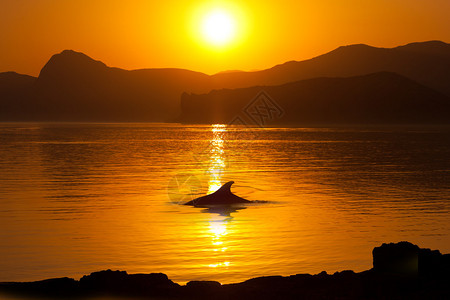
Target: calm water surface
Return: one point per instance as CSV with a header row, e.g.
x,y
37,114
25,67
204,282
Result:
x,y
81,198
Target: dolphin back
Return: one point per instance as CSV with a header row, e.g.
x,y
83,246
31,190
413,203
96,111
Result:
x,y
222,196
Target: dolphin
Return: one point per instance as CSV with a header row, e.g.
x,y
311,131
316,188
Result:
x,y
222,196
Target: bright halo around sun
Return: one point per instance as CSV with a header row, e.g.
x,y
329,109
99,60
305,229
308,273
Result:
x,y
219,27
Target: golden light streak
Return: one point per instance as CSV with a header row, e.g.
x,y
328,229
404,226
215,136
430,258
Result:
x,y
217,157
218,230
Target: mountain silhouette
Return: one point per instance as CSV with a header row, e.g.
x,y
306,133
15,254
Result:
x,y
427,63
379,98
15,95
74,87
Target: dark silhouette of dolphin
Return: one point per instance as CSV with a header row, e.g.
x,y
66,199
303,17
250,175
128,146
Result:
x,y
222,196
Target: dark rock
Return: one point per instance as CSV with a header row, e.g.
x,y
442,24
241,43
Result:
x,y
150,284
119,282
202,289
344,274
407,259
48,287
104,280
264,281
159,280
433,264
203,284
401,258
323,274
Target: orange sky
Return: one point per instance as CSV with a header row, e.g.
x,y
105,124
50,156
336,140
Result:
x,y
149,34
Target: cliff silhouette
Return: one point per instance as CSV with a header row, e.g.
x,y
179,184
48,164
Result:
x,y
75,87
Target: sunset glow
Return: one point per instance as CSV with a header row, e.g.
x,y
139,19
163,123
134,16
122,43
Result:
x,y
147,34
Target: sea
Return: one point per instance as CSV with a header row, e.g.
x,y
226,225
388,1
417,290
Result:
x,y
76,198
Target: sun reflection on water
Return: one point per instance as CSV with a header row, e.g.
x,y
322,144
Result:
x,y
218,230
217,157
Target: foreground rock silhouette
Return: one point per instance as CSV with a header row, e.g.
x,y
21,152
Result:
x,y
400,271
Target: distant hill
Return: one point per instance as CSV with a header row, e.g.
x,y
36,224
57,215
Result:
x,y
72,86
379,98
427,63
75,87
16,93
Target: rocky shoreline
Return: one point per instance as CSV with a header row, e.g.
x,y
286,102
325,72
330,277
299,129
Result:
x,y
400,271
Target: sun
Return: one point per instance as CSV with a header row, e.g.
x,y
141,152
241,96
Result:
x,y
218,27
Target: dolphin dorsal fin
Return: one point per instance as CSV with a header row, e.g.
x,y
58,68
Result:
x,y
226,188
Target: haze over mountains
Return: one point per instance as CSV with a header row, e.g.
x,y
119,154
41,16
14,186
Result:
x,y
408,84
